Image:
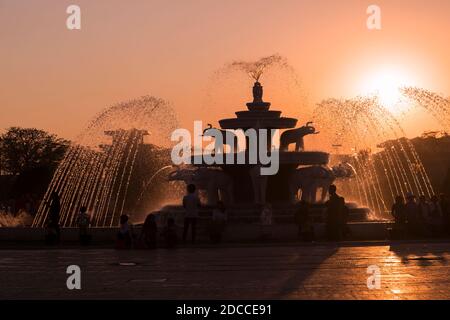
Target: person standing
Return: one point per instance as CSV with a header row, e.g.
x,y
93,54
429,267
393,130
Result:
x,y
412,214
191,204
335,221
445,207
53,230
436,217
83,221
398,211
424,215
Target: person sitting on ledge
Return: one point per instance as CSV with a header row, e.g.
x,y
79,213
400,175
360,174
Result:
x,y
83,222
266,221
218,222
170,234
149,232
125,234
302,219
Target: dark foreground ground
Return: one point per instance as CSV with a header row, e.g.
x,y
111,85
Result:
x,y
321,271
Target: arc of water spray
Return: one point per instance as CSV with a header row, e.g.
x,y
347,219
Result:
x,y
151,179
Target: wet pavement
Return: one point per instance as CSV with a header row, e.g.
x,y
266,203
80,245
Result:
x,y
320,271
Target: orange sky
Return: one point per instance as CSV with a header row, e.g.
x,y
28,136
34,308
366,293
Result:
x,y
57,80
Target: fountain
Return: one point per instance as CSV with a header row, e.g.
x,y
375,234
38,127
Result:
x,y
110,178
302,174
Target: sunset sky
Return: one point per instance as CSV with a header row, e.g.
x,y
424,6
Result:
x,y
56,79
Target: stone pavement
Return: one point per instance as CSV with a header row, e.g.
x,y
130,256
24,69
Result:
x,y
320,271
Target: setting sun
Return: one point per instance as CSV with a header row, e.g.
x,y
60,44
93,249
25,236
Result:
x,y
386,86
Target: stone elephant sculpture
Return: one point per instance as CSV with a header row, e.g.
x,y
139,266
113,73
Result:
x,y
309,180
296,136
216,183
228,138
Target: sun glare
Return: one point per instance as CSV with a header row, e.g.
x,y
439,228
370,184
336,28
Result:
x,y
386,86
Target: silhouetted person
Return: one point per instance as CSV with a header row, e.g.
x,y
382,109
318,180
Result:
x,y
83,222
125,234
150,232
435,220
302,219
445,207
335,220
170,234
412,215
266,221
218,222
424,215
53,229
191,205
398,211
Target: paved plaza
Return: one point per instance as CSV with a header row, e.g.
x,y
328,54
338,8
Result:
x,y
320,271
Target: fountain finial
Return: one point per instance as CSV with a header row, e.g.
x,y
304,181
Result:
x,y
257,92
258,104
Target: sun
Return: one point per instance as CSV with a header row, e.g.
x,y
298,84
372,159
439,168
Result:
x,y
386,86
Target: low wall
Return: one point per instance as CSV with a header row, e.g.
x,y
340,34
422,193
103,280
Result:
x,y
244,232
67,234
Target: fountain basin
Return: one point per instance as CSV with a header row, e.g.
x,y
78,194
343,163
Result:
x,y
258,114
305,158
258,106
258,122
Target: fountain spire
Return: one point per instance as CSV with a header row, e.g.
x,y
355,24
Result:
x,y
258,104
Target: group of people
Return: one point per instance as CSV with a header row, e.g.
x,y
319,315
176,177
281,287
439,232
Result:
x,y
148,238
413,217
191,205
52,227
421,217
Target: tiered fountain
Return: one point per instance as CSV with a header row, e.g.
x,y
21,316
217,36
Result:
x,y
302,174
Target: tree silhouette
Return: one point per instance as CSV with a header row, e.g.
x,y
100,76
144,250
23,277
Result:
x,y
25,149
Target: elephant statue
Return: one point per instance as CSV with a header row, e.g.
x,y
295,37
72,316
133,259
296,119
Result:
x,y
309,180
296,136
226,136
215,182
259,184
